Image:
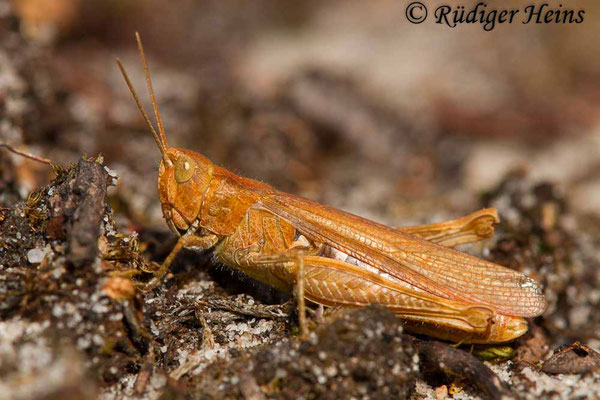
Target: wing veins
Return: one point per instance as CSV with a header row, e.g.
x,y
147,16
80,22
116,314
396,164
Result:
x,y
435,269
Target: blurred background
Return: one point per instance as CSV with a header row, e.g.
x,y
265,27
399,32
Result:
x,y
344,102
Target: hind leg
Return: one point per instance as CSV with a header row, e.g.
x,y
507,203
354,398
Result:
x,y
468,229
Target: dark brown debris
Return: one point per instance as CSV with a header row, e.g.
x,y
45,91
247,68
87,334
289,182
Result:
x,y
576,358
71,208
439,360
533,347
82,203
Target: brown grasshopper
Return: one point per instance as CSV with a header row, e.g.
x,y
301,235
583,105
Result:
x,y
334,258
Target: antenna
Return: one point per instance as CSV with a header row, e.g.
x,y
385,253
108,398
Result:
x,y
157,139
150,89
25,154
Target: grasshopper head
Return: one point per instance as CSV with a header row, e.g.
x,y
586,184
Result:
x,y
183,176
182,184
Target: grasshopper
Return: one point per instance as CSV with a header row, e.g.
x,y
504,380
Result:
x,y
334,258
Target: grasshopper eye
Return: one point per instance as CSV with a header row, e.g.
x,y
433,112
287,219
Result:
x,y
184,169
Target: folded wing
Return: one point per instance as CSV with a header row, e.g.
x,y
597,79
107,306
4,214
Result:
x,y
436,269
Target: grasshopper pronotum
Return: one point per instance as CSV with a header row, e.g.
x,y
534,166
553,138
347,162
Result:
x,y
334,258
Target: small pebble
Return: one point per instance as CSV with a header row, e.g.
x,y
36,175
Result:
x,y
36,256
441,392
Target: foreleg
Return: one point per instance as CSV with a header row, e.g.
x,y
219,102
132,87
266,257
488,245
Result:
x,y
202,242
